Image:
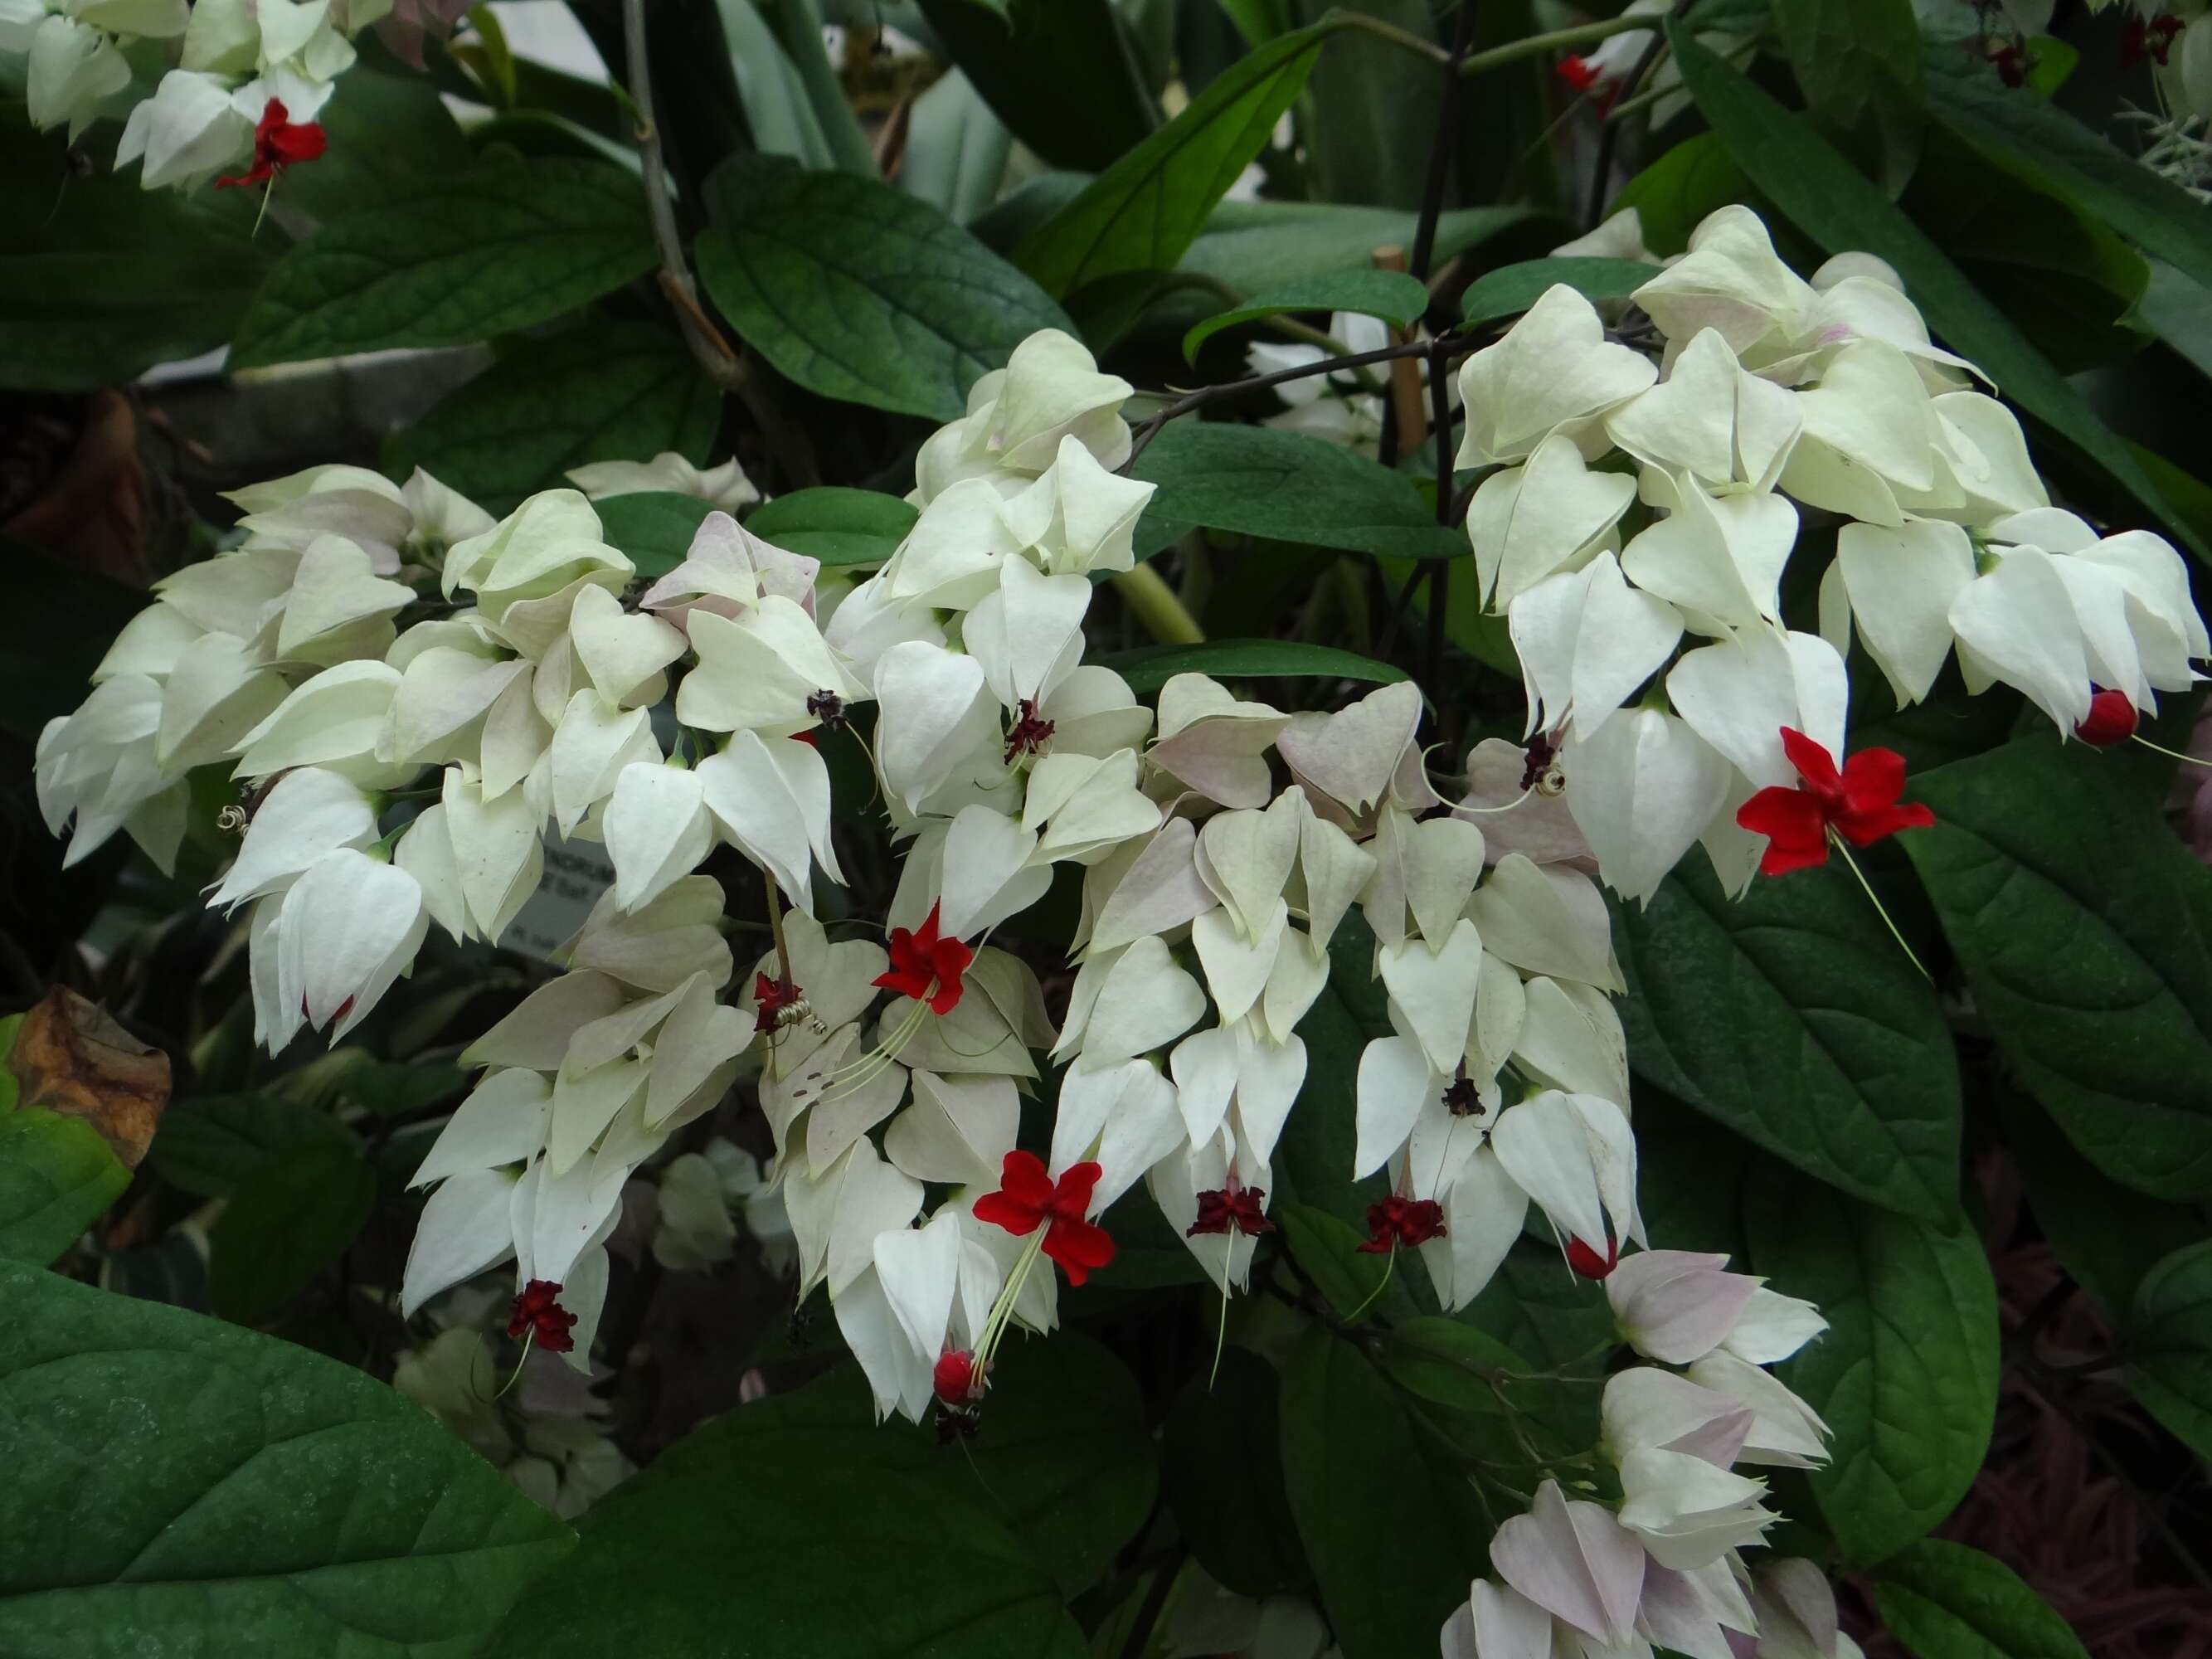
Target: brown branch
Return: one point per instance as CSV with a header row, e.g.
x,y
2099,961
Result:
x,y
730,372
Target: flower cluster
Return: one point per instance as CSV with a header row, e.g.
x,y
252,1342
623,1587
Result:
x,y
1639,506
1662,1567
249,77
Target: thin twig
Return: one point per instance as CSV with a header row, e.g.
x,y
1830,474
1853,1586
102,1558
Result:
x,y
1390,32
1609,133
1440,570
1148,429
1440,151
730,372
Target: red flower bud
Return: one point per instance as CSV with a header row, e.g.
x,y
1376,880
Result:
x,y
2111,720
956,1380
1588,1263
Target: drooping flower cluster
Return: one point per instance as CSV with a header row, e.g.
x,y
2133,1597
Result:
x,y
1646,501
249,77
1662,1568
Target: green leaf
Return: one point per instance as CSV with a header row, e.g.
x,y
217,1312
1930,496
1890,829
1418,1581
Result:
x,y
860,1541
290,1217
1369,118
1142,212
182,1488
858,292
1396,298
2156,214
1061,74
504,246
602,392
1673,194
1149,667
1256,246
1511,289
1328,1251
208,1144
1063,1460
2082,926
2106,1237
1558,1320
1353,1468
1260,481
834,524
1313,1160
654,527
1857,62
57,1175
1451,1365
1793,1018
1907,1376
1221,1475
1818,189
1946,1601
399,1088
2169,1345
387,134
83,309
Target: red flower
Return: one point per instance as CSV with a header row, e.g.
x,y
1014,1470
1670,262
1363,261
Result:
x,y
1588,1263
279,142
538,1310
2156,37
1230,1210
925,967
1398,1220
1027,1199
774,996
958,1381
1860,804
2111,720
1577,72
1028,734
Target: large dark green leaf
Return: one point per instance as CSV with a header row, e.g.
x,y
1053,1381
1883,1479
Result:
x,y
290,1217
208,1144
1907,1376
1259,481
1062,1460
834,524
1513,288
654,527
1149,667
1256,246
1061,74
177,1488
857,1542
2105,1236
1356,1475
859,292
1858,63
388,133
1828,199
1221,1474
1792,1017
1142,212
1673,194
1392,295
603,393
82,307
1372,109
2169,1345
2154,213
504,246
57,1175
2083,930
1947,1602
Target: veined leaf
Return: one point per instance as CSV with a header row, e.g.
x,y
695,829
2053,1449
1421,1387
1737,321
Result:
x,y
1945,1600
859,292
2169,1345
504,246
654,527
1394,297
57,1175
1511,289
182,1487
206,1145
289,1216
834,525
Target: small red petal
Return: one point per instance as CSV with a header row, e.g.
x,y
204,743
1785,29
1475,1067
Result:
x,y
1588,1263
